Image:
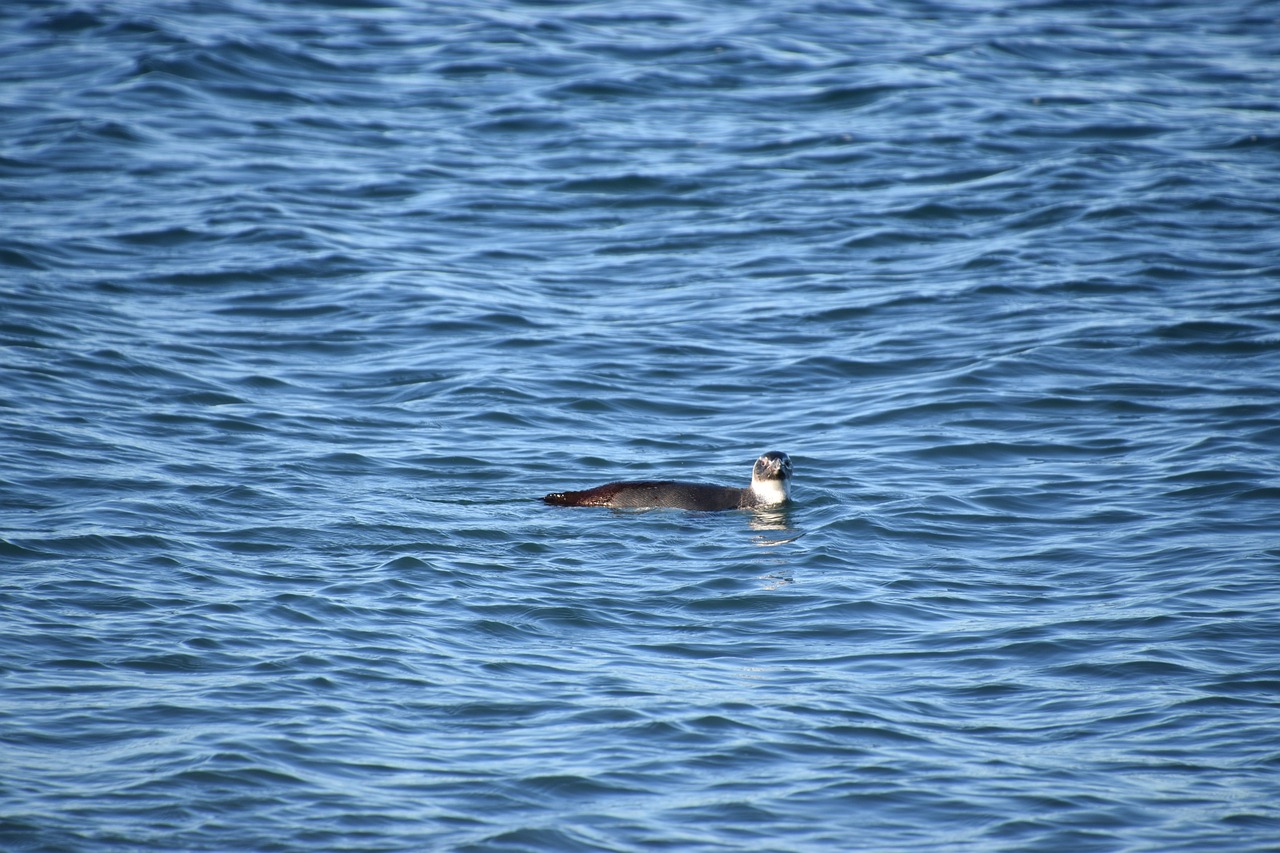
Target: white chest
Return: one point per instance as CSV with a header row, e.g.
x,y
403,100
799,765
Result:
x,y
770,492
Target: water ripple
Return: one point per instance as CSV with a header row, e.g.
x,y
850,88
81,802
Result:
x,y
306,308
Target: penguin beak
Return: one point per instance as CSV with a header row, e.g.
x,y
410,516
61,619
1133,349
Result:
x,y
775,468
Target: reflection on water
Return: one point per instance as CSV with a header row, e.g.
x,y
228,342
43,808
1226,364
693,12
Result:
x,y
772,518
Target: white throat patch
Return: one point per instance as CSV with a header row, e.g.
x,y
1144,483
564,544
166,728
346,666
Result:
x,y
771,492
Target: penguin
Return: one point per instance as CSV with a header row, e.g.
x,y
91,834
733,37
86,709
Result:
x,y
770,486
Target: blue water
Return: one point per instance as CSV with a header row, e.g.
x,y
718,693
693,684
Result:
x,y
304,304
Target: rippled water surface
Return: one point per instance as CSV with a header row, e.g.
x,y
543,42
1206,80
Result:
x,y
304,305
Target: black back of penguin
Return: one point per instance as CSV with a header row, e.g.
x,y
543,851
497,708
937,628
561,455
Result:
x,y
769,487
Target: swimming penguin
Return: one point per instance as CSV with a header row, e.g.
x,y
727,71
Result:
x,y
770,486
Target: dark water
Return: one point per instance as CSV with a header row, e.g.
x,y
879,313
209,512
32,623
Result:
x,y
303,305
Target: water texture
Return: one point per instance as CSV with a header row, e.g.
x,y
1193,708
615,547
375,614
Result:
x,y
303,305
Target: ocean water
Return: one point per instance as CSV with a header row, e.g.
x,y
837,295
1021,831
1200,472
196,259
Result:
x,y
303,305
